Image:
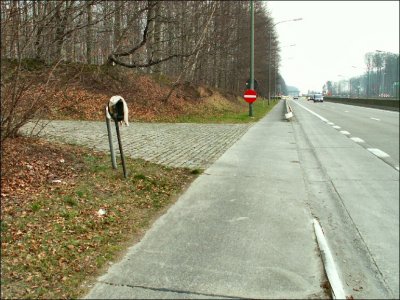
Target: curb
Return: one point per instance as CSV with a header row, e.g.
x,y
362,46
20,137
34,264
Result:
x,y
328,262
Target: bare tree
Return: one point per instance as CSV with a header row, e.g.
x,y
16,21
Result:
x,y
159,37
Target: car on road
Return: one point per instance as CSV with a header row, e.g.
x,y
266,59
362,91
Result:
x,y
296,97
318,98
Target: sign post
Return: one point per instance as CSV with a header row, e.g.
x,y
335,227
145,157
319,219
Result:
x,y
108,122
118,111
250,96
120,148
251,55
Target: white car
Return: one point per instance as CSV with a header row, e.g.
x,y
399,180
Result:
x,y
318,98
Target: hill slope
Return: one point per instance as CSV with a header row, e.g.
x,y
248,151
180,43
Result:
x,y
76,91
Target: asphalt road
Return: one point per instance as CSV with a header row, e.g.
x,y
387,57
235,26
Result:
x,y
371,128
354,190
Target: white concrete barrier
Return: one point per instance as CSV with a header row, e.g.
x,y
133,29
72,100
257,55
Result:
x,y
289,112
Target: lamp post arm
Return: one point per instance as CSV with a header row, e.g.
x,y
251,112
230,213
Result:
x,y
297,19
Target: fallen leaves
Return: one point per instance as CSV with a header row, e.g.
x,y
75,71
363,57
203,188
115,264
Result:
x,y
52,235
82,93
62,218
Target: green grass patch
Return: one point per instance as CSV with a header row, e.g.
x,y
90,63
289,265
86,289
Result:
x,y
240,115
196,171
139,177
35,206
69,200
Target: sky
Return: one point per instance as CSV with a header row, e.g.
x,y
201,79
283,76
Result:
x,y
332,38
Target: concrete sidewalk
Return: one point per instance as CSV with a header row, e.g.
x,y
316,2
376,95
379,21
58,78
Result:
x,y
241,230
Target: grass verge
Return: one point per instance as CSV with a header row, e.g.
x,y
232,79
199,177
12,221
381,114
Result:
x,y
260,109
55,240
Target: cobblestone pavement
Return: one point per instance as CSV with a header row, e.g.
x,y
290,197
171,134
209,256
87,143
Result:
x,y
175,145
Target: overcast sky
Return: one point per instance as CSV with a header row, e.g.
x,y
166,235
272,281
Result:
x,y
332,37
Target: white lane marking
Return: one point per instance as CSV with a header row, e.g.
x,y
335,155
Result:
x,y
329,263
375,119
378,152
238,219
336,127
345,132
397,167
346,111
315,114
357,140
330,123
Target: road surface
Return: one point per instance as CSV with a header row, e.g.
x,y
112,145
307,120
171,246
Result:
x,y
354,189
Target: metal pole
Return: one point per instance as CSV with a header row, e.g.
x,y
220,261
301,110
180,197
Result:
x,y
113,160
120,148
251,53
269,68
350,86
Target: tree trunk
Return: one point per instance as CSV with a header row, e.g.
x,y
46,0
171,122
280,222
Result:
x,y
117,25
89,41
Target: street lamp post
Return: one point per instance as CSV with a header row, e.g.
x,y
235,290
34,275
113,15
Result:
x,y
251,53
350,87
340,84
383,90
357,82
382,81
270,48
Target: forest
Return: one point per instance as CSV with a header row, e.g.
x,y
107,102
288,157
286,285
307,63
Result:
x,y
200,42
380,78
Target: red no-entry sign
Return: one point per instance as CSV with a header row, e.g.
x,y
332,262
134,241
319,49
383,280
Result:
x,y
250,96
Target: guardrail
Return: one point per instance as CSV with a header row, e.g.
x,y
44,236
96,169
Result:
x,y
388,104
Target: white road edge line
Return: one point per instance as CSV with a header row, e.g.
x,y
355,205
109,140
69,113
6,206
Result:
x,y
329,264
315,114
378,152
397,168
375,119
357,140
